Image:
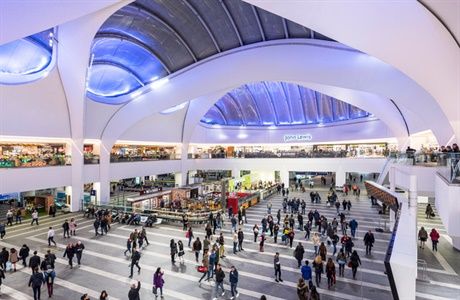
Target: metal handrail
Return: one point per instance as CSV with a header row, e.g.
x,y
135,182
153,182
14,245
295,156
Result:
x,y
422,265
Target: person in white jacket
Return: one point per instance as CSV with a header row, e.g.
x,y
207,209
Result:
x,y
34,217
316,242
51,236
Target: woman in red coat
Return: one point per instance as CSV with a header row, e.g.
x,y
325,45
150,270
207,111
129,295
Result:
x,y
434,235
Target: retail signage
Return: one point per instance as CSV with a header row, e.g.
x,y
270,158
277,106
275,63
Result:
x,y
297,137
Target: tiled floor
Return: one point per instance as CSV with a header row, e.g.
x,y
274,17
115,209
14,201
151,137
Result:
x,y
105,267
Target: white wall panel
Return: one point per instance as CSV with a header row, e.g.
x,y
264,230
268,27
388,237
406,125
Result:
x,y
158,127
143,168
447,197
35,109
30,179
361,165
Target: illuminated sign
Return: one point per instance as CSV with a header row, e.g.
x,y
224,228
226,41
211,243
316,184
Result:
x,y
297,137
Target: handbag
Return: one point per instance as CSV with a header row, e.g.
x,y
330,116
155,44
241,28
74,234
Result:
x,y
9,266
202,269
350,265
187,234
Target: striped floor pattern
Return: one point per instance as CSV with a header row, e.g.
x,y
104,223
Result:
x,y
105,267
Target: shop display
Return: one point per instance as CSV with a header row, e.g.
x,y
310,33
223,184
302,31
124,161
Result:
x,y
291,151
123,153
21,155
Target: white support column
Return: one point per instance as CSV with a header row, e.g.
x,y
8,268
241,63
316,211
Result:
x,y
76,195
180,179
97,188
391,174
284,178
104,178
340,177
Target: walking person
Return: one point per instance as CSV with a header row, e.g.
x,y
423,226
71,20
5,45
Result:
x,y
50,274
197,248
434,235
240,239
298,254
422,236
233,282
2,230
34,261
330,273
13,258
4,257
34,217
69,252
323,251
135,257
220,275
2,276
36,281
302,289
104,295
353,227
158,282
128,246
79,247
319,269
180,252
235,242
277,265
255,230
355,262
51,234
204,265
189,235
342,261
262,242
23,254
66,228
133,293
306,271
96,225
429,211
144,234
73,227
369,241
316,242
173,250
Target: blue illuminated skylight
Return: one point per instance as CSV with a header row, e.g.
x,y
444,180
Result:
x,y
26,59
279,104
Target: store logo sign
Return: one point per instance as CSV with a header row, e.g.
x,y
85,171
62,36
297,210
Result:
x,y
297,137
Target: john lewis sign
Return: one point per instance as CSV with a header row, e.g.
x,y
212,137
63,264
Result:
x,y
297,138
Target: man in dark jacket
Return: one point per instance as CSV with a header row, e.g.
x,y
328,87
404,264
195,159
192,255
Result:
x,y
298,254
66,228
369,241
4,255
134,291
234,282
23,254
240,239
220,275
34,261
36,280
79,247
135,257
197,248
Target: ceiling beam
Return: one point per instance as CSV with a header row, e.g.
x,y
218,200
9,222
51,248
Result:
x,y
271,101
203,23
259,24
288,102
227,12
237,104
285,28
255,103
221,113
166,25
303,105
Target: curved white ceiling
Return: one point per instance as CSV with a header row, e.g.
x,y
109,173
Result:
x,y
404,34
320,62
